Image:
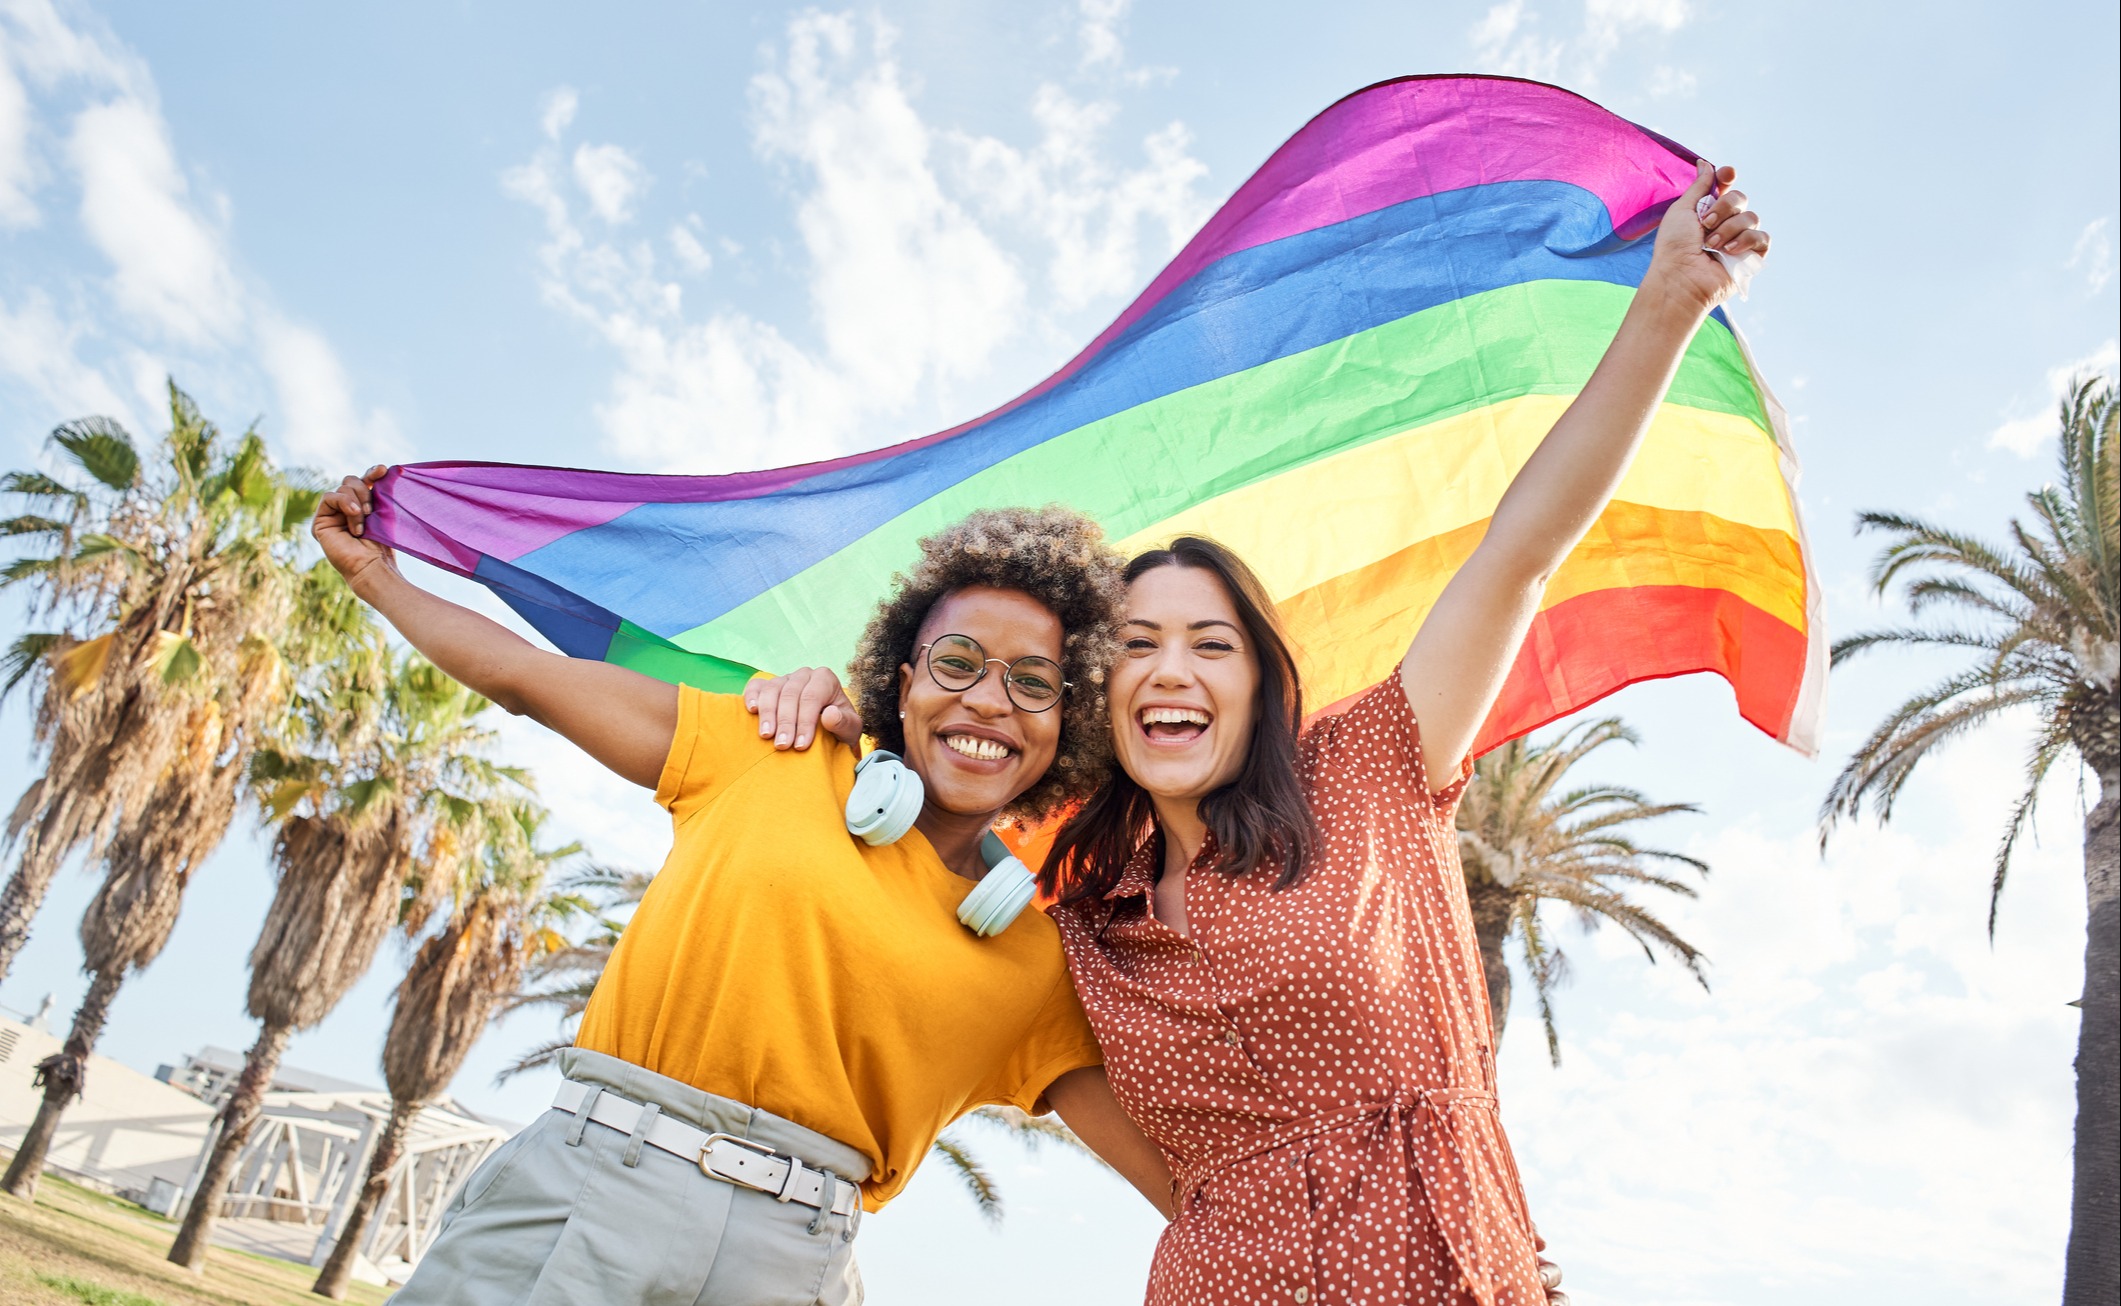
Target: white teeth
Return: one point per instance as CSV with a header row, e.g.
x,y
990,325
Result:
x,y
985,750
1173,716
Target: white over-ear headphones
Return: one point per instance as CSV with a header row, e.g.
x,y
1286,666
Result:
x,y
883,806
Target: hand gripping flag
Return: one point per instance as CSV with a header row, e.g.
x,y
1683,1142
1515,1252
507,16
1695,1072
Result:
x,y
1337,378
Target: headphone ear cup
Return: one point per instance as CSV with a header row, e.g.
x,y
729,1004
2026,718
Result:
x,y
885,801
1001,896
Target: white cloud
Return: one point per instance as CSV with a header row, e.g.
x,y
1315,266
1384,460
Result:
x,y
905,285
2027,436
319,420
1510,39
168,268
1100,31
909,284
2094,255
49,48
1871,1094
17,179
560,108
40,348
1074,201
691,254
611,178
1666,82
1506,40
172,275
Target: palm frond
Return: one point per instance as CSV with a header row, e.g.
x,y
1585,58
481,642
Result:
x,y
978,1183
37,485
26,656
2049,604
1521,830
1033,1131
102,448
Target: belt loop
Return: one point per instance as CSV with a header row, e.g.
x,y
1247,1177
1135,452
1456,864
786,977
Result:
x,y
824,1201
788,1181
639,1136
581,1115
854,1220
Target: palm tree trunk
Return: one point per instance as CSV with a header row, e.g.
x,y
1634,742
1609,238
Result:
x,y
2092,1269
64,1075
22,897
338,1270
1491,905
239,1115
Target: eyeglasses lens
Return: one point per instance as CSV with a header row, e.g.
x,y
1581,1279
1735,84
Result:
x,y
958,662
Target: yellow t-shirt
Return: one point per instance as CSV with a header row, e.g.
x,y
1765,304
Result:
x,y
780,961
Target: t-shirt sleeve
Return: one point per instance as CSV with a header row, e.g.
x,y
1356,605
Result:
x,y
1058,1041
716,741
1379,733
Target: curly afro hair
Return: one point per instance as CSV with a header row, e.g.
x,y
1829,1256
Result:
x,y
1057,556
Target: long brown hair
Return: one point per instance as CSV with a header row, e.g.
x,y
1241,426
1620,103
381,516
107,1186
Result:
x,y
1258,819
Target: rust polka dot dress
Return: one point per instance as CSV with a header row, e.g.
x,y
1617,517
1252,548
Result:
x,y
1317,1064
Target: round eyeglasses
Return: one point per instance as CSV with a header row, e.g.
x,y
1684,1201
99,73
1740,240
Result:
x,y
957,663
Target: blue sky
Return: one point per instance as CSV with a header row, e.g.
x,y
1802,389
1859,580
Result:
x,y
707,237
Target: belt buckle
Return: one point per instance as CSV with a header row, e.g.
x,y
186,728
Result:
x,y
745,1143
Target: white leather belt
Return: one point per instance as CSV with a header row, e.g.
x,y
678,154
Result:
x,y
719,1156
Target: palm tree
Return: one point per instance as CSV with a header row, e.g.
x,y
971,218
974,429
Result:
x,y
2041,618
385,755
563,979
198,604
150,573
1522,846
502,921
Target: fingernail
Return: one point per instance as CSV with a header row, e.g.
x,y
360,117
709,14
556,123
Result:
x,y
802,741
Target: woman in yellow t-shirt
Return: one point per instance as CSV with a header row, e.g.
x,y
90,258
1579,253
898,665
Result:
x,y
793,1015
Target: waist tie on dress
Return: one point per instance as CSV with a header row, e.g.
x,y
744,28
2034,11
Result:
x,y
1425,1121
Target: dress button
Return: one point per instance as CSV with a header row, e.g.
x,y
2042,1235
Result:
x,y
1231,1037
1302,1295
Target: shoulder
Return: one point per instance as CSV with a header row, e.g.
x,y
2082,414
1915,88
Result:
x,y
1377,722
1372,743
717,744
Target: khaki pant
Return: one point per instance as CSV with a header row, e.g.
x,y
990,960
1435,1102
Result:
x,y
570,1211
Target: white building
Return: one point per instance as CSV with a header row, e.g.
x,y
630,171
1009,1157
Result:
x,y
146,1139
126,1132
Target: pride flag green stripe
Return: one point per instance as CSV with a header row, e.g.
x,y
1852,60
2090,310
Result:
x,y
1542,337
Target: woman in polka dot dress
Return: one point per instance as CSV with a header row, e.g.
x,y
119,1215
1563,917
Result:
x,y
1269,930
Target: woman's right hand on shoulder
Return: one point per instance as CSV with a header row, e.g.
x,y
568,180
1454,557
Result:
x,y
790,708
341,526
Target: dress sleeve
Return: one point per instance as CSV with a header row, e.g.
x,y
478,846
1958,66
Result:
x,y
1378,733
1058,1041
715,742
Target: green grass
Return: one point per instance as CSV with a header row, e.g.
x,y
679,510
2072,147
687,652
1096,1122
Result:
x,y
76,1247
94,1294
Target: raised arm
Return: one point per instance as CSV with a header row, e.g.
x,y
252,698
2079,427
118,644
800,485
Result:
x,y
621,718
1460,657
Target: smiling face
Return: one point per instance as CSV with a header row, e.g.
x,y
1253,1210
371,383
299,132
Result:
x,y
1185,690
975,751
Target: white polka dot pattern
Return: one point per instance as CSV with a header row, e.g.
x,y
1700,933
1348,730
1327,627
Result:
x,y
1316,1064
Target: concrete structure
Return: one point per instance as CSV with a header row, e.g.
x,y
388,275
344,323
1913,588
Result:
x,y
305,1162
147,1139
125,1133
210,1072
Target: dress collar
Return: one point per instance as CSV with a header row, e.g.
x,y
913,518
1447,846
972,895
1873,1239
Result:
x,y
1145,867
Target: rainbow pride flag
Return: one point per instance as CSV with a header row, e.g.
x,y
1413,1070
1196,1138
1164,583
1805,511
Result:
x,y
1337,377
